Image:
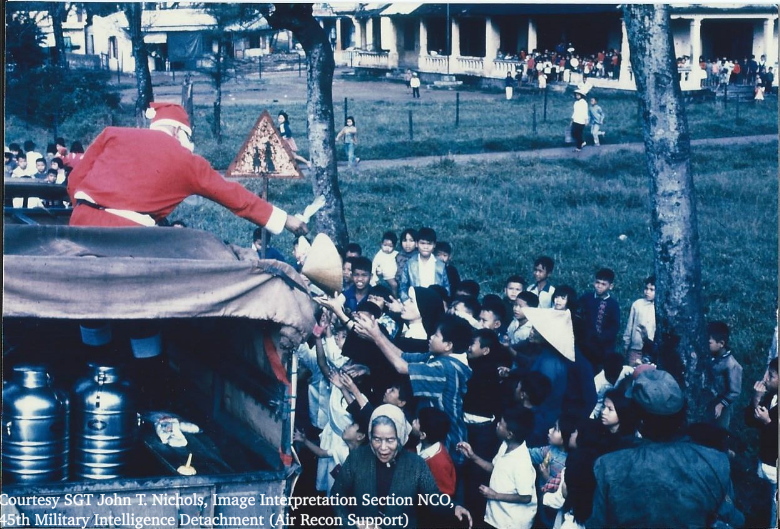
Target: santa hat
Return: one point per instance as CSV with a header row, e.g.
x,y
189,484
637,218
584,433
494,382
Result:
x,y
168,114
555,326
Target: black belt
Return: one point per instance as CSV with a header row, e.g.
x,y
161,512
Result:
x,y
82,202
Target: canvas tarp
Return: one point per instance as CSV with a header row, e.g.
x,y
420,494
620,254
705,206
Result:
x,y
146,273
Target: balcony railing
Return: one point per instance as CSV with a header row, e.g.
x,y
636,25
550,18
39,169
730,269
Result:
x,y
370,59
434,63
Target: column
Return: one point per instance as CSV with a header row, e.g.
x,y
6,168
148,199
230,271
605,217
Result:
x,y
531,35
360,39
770,46
423,38
455,38
626,79
339,44
695,77
389,41
369,34
492,45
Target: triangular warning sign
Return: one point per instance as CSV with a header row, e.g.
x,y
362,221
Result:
x,y
264,153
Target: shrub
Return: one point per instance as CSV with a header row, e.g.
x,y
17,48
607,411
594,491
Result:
x,y
46,96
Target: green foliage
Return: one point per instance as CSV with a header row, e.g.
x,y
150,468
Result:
x,y
45,96
23,39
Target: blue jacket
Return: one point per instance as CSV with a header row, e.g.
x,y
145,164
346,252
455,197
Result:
x,y
411,277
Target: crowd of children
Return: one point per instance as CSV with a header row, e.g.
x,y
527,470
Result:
x,y
53,167
510,398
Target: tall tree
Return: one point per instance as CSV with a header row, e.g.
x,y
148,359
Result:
x,y
58,12
680,337
320,66
143,77
23,40
225,15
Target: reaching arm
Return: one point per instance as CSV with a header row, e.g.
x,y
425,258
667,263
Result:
x,y
367,327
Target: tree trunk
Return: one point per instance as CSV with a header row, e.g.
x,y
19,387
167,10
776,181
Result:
x,y
143,78
57,12
320,66
218,78
680,334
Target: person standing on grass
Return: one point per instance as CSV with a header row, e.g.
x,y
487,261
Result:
x,y
726,374
596,117
349,134
415,84
509,86
579,117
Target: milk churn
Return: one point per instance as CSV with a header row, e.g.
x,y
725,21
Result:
x,y
105,424
35,428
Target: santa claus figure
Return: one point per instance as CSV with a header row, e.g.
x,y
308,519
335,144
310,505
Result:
x,y
137,177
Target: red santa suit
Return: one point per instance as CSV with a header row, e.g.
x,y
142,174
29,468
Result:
x,y
129,171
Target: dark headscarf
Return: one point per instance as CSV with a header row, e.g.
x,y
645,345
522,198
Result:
x,y
431,308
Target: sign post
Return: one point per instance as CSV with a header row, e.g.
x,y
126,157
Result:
x,y
265,155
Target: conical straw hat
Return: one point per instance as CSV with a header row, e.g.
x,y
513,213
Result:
x,y
323,265
555,326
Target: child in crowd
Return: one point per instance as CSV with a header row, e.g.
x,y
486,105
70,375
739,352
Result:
x,y
438,377
619,417
520,329
22,170
492,315
433,425
467,287
346,273
353,250
59,165
543,269
381,296
512,287
467,308
408,250
565,298
41,171
511,495
762,414
270,251
613,373
550,461
424,270
641,324
384,266
444,253
726,374
358,290
31,154
600,319
10,164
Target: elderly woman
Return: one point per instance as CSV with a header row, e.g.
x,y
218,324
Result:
x,y
386,481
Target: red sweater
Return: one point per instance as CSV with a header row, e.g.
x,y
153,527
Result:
x,y
443,470
148,171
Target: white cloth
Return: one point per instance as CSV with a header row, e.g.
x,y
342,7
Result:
x,y
580,113
417,331
427,270
603,385
518,333
384,266
513,473
545,296
642,313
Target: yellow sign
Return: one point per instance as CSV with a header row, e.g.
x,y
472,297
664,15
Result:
x,y
264,153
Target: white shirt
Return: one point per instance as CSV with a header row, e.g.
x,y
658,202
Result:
x,y
384,266
518,333
427,271
545,295
603,385
513,473
580,114
642,313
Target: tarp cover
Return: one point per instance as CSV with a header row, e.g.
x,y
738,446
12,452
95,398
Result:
x,y
146,273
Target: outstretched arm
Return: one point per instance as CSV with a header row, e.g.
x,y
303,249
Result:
x,y
367,327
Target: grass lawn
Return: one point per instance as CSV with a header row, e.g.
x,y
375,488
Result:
x,y
500,216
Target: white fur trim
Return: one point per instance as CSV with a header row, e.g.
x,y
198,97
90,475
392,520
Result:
x,y
150,113
170,123
277,221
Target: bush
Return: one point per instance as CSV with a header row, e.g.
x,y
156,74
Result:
x,y
47,96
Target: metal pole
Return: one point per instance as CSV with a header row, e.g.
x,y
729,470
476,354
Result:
x,y
457,109
299,65
544,116
259,67
726,95
264,245
118,68
411,127
534,122
346,110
